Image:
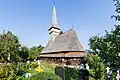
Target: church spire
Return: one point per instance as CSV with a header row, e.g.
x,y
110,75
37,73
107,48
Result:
x,y
54,30
54,18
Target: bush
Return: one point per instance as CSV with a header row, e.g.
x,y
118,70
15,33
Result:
x,y
22,68
26,68
97,67
44,76
7,72
71,74
21,78
33,65
48,67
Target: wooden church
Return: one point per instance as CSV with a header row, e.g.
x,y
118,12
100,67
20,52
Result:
x,y
63,48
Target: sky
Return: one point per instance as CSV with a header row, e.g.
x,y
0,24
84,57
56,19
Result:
x,y
31,19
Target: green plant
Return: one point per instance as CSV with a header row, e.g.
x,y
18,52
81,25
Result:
x,y
107,46
71,74
44,76
33,65
7,72
9,47
48,67
22,68
114,76
34,52
97,67
21,78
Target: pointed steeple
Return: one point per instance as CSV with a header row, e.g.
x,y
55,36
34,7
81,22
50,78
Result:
x,y
54,19
54,30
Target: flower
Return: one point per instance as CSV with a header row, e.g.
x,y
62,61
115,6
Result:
x,y
39,69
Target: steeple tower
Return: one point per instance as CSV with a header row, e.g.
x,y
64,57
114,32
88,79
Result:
x,y
54,18
54,30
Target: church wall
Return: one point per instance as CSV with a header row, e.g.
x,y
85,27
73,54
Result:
x,y
69,58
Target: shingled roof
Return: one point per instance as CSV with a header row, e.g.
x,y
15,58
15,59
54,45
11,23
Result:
x,y
67,41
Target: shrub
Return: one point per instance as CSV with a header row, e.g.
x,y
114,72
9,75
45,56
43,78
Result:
x,y
97,67
44,76
33,65
71,74
21,69
7,72
48,67
21,78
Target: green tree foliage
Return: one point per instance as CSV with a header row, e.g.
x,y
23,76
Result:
x,y
97,67
117,10
107,46
34,52
11,49
9,46
24,53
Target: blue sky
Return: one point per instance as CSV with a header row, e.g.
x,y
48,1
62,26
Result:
x,y
30,19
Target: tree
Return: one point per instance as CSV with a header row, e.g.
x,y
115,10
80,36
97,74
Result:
x,y
97,67
9,47
34,52
107,46
24,53
117,10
